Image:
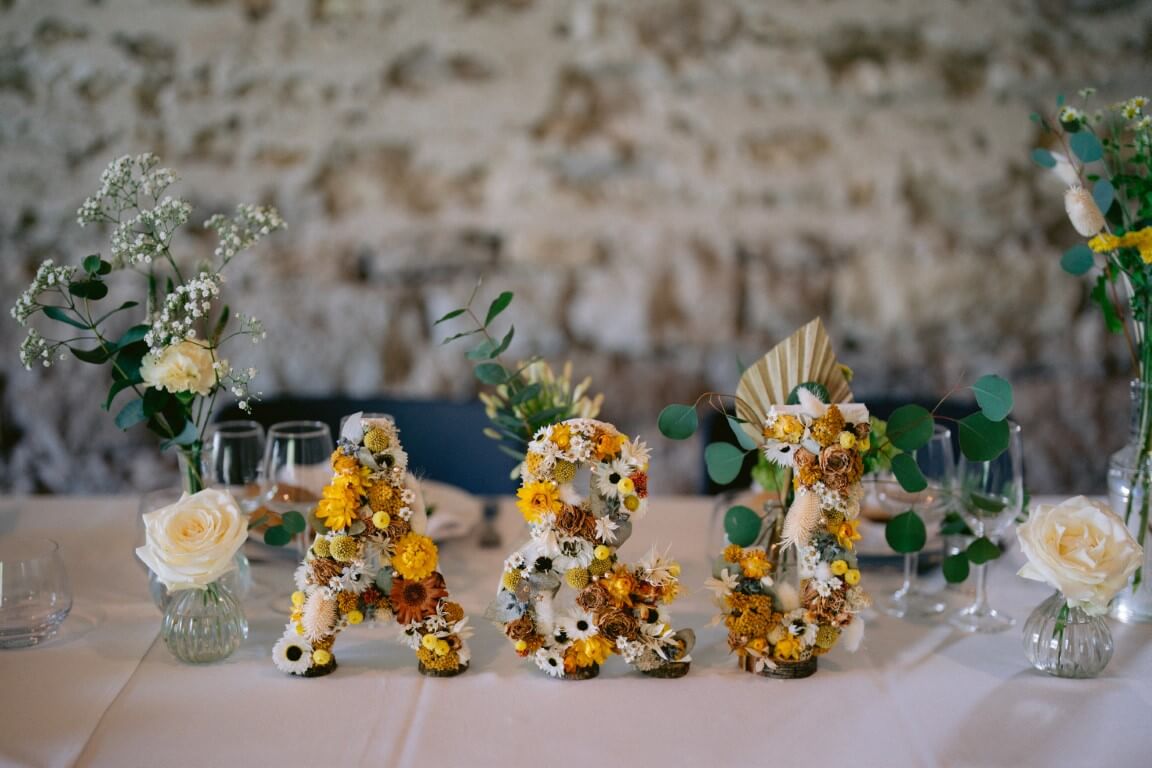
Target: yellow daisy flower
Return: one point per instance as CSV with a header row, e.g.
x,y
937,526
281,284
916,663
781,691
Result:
x,y
534,500
415,557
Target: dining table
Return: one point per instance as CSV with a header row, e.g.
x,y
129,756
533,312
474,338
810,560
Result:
x,y
107,692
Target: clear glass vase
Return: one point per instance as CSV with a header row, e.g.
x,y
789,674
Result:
x,y
1130,493
203,625
1065,641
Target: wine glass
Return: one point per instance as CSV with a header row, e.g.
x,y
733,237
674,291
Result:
x,y
296,469
990,498
938,466
233,453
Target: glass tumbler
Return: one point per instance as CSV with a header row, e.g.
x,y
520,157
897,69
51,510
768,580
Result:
x,y
35,596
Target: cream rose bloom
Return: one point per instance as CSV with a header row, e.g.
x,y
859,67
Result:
x,y
191,543
1080,547
183,367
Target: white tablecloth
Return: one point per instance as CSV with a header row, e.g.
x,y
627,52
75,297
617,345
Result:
x,y
107,692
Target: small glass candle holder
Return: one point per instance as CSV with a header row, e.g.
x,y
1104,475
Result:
x,y
35,596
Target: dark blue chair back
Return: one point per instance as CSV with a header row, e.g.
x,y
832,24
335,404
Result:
x,y
444,439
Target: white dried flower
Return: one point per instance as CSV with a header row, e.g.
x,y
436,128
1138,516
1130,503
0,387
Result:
x,y
1083,211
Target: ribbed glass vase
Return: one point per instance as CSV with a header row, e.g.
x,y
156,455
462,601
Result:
x,y
203,625
1065,641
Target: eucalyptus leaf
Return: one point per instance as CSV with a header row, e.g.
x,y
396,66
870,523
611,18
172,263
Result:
x,y
91,264
121,308
1103,193
1043,158
293,522
95,356
1078,259
910,427
277,536
498,305
491,373
118,386
908,473
678,422
906,533
131,336
741,436
188,434
450,315
461,335
155,400
485,350
525,394
723,461
503,345
994,396
982,439
93,290
131,414
61,315
982,550
1086,146
955,568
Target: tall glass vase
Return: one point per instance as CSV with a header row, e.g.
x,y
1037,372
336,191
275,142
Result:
x,y
1130,494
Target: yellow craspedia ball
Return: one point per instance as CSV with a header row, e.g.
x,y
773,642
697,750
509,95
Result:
x,y
626,486
852,577
453,612
577,578
826,636
564,472
674,570
510,580
429,641
321,657
631,503
298,598
299,628
839,567
354,617
382,497
344,549
320,547
833,518
376,440
602,552
847,441
381,519
521,645
442,648
599,567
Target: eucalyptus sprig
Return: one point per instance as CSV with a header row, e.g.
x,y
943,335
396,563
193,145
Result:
x,y
525,397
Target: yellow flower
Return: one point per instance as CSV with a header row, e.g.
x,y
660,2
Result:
x,y
620,585
631,503
381,520
602,552
415,557
788,647
321,657
732,553
591,650
755,564
839,567
1104,243
534,500
852,577
342,462
521,645
429,641
340,500
608,445
758,644
787,428
847,441
846,533
442,648
298,598
562,436
354,617
626,486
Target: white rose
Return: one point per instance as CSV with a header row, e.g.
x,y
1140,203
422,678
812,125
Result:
x,y
183,367
1081,548
191,543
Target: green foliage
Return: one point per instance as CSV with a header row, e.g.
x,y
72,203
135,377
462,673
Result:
x,y
742,437
906,533
1086,146
982,439
1043,158
742,525
1078,259
982,550
910,427
908,473
994,396
678,422
723,461
955,568
771,477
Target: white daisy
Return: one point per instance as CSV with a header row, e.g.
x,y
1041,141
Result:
x,y
514,562
606,530
292,654
609,475
579,626
352,579
551,661
572,553
636,453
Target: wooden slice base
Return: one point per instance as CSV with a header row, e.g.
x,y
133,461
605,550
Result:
x,y
785,670
440,672
669,671
582,673
320,671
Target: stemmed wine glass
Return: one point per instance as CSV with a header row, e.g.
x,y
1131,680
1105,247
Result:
x,y
233,454
990,498
296,469
938,466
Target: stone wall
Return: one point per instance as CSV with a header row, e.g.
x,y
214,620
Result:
x,y
669,186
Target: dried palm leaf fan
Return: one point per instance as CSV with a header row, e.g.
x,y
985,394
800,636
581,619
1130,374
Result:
x,y
805,357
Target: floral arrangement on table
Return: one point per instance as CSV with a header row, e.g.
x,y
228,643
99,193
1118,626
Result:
x,y
169,361
619,608
189,545
525,397
1083,550
370,558
1105,162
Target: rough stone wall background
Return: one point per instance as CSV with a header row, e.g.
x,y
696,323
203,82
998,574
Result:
x,y
669,186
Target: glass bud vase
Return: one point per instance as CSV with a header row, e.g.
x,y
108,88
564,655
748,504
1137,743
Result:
x,y
203,625
1065,641
1130,494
